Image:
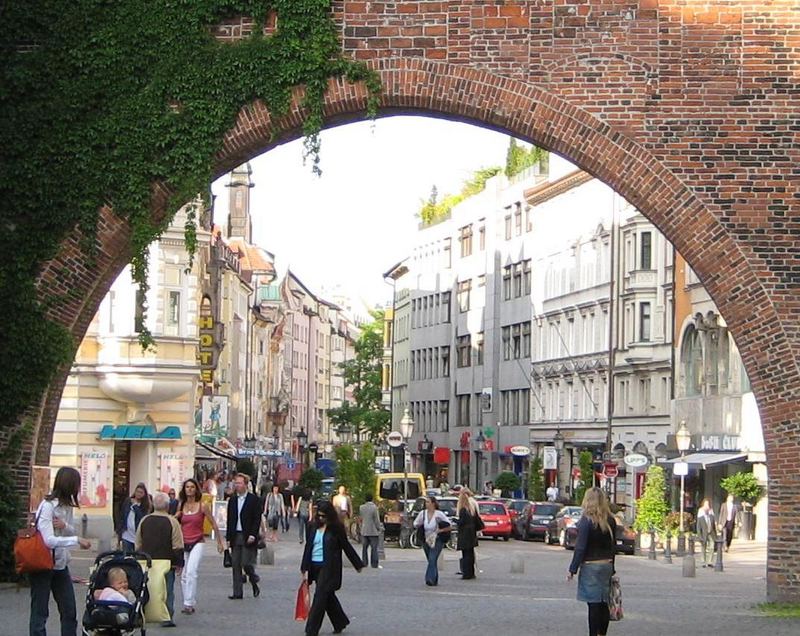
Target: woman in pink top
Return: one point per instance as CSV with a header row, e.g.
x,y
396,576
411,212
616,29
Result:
x,y
191,514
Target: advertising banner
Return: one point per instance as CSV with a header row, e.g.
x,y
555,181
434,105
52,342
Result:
x,y
214,417
40,486
172,471
95,479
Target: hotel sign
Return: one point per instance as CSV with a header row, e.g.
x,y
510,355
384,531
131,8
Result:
x,y
207,353
139,432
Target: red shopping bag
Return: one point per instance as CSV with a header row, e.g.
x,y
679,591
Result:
x,y
302,604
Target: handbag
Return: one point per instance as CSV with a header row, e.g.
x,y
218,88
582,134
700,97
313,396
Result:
x,y
615,612
302,603
226,559
31,554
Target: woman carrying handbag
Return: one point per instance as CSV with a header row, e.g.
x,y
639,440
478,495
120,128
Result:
x,y
434,524
469,524
54,522
595,549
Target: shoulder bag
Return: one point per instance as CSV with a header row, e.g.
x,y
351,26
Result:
x,y
31,554
615,612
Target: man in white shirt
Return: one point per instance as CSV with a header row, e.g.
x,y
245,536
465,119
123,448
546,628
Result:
x,y
552,493
243,526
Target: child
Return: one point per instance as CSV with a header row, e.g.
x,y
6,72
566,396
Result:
x,y
117,589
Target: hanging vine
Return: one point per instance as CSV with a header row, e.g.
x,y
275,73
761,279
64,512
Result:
x,y
99,100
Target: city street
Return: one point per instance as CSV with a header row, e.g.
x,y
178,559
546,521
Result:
x,y
395,601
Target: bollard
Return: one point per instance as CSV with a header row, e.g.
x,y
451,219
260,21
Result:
x,y
518,565
718,543
691,544
381,546
267,555
637,544
681,551
651,555
689,566
668,548
84,525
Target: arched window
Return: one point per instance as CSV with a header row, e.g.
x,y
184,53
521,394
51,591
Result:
x,y
692,362
641,449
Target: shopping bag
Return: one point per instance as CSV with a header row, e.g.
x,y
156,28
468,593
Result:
x,y
303,602
615,612
30,552
155,610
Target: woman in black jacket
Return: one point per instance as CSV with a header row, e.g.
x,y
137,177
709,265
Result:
x,y
326,539
469,524
595,549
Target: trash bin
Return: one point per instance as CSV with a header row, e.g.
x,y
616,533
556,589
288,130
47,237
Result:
x,y
748,530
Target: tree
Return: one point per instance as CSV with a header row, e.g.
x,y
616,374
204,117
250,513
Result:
x,y
586,463
652,508
311,479
535,481
519,158
247,467
744,486
364,374
507,482
357,474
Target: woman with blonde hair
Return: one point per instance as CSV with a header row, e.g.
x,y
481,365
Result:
x,y
595,549
469,524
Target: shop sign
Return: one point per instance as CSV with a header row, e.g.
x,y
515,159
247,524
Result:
x,y
680,469
610,470
716,442
635,460
520,451
549,458
139,432
394,439
207,352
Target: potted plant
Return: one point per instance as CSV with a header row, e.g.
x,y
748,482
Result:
x,y
745,487
507,483
652,508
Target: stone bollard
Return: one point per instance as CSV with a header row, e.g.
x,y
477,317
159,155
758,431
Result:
x,y
84,525
637,544
381,546
668,548
689,565
267,555
718,544
681,551
518,565
651,554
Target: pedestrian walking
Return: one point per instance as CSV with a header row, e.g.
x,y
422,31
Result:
x,y
301,504
371,528
552,493
273,511
595,549
469,525
159,535
432,523
286,493
54,520
131,514
727,516
322,565
242,527
173,502
343,504
707,531
192,515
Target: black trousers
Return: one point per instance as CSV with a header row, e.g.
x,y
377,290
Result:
x,y
369,545
729,532
325,602
59,583
243,557
468,563
598,619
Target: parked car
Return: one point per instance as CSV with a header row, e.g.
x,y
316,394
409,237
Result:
x,y
515,506
625,538
535,518
496,520
565,518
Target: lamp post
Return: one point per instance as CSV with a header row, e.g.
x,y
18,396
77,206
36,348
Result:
x,y
406,430
302,438
343,432
683,439
480,445
558,444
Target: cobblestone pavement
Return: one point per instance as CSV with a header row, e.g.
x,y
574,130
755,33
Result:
x,y
395,601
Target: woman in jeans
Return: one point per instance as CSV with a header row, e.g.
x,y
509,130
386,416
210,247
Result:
x,y
595,549
301,504
54,521
434,524
132,512
192,513
273,511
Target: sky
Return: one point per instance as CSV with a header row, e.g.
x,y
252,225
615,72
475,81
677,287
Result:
x,y
353,223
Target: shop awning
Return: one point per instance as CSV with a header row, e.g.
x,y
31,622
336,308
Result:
x,y
704,460
215,451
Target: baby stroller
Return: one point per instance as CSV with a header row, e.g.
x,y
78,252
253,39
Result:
x,y
114,618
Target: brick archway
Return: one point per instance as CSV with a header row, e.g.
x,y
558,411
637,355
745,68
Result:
x,y
696,166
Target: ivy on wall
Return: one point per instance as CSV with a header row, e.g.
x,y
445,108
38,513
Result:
x,y
99,100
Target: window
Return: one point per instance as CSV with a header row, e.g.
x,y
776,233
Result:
x,y
526,277
516,341
445,358
462,417
507,282
518,220
413,365
423,367
528,218
526,339
482,236
464,288
112,296
479,349
446,307
138,317
508,227
463,350
517,280
260,347
644,322
482,280
506,343
444,415
447,260
646,250
466,240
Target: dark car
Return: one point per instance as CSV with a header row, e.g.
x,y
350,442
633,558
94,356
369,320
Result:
x,y
565,518
514,507
535,518
625,537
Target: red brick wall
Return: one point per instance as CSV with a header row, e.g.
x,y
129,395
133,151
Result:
x,y
687,109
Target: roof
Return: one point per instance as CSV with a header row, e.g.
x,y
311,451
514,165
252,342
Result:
x,y
550,189
251,257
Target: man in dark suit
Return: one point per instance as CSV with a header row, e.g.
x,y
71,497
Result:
x,y
707,529
727,519
244,524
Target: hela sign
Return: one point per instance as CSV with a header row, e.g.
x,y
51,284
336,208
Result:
x,y
139,431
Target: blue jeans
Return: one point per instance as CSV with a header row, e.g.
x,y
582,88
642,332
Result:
x,y
127,546
432,572
59,582
169,578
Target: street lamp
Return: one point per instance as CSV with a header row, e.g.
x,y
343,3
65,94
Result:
x,y
302,438
683,439
558,444
406,430
343,431
480,445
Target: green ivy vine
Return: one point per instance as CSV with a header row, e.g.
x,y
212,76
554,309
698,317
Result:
x,y
99,99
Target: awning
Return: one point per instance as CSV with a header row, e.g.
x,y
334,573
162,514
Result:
x,y
441,455
215,451
704,460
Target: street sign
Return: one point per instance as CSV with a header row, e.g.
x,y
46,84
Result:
x,y
520,451
394,439
681,469
635,460
549,458
313,447
610,470
290,464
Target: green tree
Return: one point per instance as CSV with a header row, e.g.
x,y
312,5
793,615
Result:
x,y
247,467
356,473
507,482
434,209
586,463
652,508
519,158
364,374
535,481
311,479
744,486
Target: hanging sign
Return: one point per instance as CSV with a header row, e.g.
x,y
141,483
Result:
x,y
635,460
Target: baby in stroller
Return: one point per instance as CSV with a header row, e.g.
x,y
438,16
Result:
x,y
117,595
